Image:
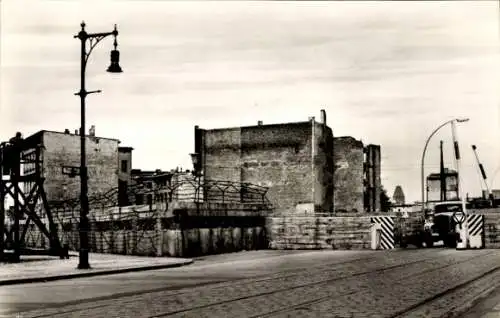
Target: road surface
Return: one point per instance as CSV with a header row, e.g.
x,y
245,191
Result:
x,y
400,283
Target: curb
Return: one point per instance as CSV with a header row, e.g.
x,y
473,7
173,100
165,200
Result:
x,y
28,280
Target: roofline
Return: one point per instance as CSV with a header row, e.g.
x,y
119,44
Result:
x,y
268,125
71,134
125,148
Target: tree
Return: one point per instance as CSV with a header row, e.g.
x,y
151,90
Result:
x,y
385,201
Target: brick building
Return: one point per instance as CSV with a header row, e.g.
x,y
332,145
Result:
x,y
357,176
295,160
107,163
349,174
301,163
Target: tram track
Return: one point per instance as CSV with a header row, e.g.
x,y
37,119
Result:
x,y
315,276
316,283
400,313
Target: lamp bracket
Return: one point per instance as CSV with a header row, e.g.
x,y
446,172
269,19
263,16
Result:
x,y
93,42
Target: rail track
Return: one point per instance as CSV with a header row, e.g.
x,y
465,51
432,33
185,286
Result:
x,y
354,278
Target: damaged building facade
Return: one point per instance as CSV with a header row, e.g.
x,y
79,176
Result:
x,y
108,165
306,168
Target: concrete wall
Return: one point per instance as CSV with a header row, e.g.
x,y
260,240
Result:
x,y
324,168
492,229
64,149
348,178
319,232
221,153
185,229
276,156
125,154
372,178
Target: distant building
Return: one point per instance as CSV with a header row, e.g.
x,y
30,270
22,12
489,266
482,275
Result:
x,y
107,163
398,197
357,176
434,186
304,167
295,160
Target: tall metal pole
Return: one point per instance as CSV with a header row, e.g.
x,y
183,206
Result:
x,y
422,177
84,209
114,68
460,185
16,170
442,177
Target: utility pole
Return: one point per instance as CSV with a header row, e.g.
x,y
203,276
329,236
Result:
x,y
93,38
442,176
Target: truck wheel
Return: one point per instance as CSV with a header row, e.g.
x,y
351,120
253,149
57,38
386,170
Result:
x,y
419,243
429,242
451,242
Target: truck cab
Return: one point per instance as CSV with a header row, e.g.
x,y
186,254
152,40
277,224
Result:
x,y
440,224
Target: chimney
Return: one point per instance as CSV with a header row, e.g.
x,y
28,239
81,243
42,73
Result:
x,y
66,131
92,131
259,123
323,117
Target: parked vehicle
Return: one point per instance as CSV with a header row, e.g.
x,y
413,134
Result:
x,y
440,225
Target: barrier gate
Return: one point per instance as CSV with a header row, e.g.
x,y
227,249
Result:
x,y
475,225
384,225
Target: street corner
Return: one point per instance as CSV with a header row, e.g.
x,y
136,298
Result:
x,y
51,270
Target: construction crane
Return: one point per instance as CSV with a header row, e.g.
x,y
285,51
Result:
x,y
483,173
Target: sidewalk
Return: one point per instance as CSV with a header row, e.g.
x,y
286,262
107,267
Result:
x,y
34,269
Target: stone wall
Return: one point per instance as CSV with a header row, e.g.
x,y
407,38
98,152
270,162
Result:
x,y
319,232
64,150
492,229
348,178
184,229
283,157
373,186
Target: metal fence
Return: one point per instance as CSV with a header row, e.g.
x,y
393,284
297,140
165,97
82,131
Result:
x,y
133,227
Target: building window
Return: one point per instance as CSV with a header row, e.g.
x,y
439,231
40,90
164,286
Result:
x,y
124,166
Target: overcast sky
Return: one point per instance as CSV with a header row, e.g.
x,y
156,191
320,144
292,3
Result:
x,y
387,73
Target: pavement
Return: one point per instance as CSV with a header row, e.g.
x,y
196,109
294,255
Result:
x,y
435,282
37,268
487,307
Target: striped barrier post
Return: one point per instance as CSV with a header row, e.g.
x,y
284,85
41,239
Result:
x,y
475,223
386,229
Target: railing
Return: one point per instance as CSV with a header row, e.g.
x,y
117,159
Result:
x,y
139,222
191,190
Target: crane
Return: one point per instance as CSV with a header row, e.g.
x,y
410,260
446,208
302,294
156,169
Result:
x,y
483,173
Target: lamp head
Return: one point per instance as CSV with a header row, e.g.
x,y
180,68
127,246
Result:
x,y
115,56
462,120
115,59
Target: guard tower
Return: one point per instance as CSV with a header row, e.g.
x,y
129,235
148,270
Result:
x,y
22,181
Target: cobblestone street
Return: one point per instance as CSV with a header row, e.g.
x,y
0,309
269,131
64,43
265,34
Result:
x,y
411,283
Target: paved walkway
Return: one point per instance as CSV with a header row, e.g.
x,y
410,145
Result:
x,y
46,268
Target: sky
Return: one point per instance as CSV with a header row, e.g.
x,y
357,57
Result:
x,y
386,72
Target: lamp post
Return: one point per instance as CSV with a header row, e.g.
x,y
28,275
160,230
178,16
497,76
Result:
x,y
93,39
458,120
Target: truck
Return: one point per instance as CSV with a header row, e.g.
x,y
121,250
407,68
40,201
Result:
x,y
440,224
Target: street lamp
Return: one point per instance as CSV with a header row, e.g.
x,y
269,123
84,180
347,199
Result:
x,y
93,38
458,120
